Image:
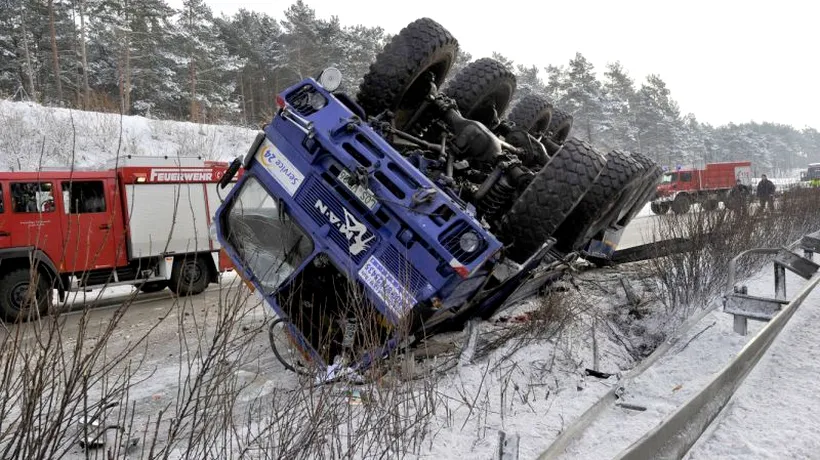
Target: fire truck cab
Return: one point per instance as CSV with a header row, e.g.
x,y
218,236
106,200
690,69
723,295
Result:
x,y
142,221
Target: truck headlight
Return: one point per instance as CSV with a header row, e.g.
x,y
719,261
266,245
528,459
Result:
x,y
468,242
331,79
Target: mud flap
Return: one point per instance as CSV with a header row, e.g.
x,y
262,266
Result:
x,y
165,267
604,248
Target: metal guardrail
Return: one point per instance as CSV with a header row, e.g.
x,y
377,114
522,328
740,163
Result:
x,y
673,437
744,307
577,428
689,422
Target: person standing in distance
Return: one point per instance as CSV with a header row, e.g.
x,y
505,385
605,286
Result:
x,y
765,192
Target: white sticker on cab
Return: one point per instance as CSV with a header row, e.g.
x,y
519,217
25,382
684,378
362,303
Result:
x,y
378,278
285,173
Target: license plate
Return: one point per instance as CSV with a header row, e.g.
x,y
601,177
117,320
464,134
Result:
x,y
365,196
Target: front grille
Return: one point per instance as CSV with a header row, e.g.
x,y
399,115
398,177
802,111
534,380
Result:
x,y
403,270
323,207
450,239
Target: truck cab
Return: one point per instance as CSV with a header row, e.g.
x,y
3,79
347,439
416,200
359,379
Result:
x,y
345,239
675,181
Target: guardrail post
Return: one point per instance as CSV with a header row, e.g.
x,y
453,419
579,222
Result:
x,y
507,446
779,281
741,325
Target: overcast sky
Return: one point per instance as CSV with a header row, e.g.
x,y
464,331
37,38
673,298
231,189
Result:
x,y
724,60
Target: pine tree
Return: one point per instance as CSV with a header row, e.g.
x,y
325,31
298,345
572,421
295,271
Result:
x,y
583,98
204,62
150,58
657,120
618,114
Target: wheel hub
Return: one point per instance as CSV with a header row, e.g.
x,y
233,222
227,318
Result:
x,y
192,273
18,296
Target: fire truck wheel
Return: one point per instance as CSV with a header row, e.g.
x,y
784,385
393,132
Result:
x,y
710,204
189,276
681,204
398,79
483,90
549,198
15,301
659,208
153,286
602,203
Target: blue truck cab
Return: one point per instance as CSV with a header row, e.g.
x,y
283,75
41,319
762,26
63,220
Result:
x,y
333,227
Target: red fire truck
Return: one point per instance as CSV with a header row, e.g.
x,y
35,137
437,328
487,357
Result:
x,y
142,221
682,188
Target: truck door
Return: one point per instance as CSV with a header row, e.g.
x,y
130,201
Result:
x,y
30,219
90,226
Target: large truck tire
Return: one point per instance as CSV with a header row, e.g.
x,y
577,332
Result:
x,y
532,114
190,275
607,196
16,304
681,204
635,196
560,126
483,90
652,177
659,208
551,196
399,78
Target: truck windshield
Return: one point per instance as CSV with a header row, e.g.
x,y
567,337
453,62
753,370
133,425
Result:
x,y
670,177
267,242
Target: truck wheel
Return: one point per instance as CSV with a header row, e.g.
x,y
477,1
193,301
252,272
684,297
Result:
x,y
551,196
651,179
710,204
399,79
560,126
659,208
483,91
153,286
189,275
681,204
532,114
602,203
16,303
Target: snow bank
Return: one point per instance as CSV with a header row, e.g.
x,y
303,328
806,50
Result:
x,y
29,132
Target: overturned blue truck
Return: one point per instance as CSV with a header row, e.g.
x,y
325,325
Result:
x,y
370,223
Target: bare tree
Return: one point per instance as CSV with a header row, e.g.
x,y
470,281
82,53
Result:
x,y
55,57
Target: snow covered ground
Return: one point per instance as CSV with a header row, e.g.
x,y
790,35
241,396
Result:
x,y
533,384
31,134
774,414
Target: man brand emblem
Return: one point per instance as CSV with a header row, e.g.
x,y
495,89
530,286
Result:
x,y
177,175
351,228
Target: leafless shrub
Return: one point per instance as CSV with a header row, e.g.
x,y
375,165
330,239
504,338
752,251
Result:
x,y
687,281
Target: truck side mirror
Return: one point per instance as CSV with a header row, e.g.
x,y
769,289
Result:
x,y
232,169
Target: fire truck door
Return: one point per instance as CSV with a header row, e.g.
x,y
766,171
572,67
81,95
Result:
x,y
89,226
30,219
